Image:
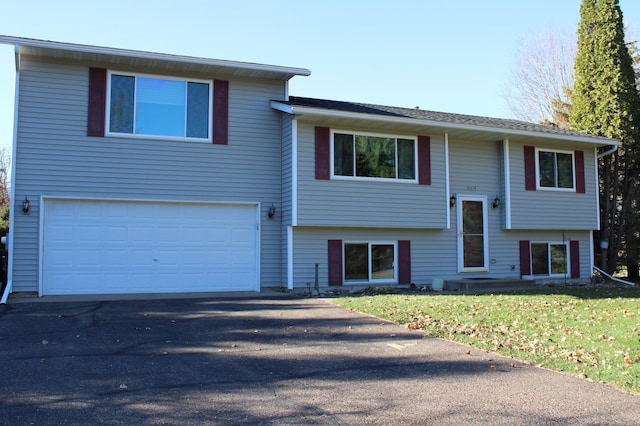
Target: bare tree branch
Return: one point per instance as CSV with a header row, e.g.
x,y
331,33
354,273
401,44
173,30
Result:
x,y
542,78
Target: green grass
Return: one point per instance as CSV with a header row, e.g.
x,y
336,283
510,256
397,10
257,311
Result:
x,y
592,332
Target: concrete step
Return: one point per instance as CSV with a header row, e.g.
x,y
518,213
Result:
x,y
486,284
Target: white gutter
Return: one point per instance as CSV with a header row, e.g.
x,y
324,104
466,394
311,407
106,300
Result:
x,y
80,48
331,113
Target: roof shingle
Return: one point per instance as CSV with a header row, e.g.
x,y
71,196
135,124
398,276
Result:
x,y
433,116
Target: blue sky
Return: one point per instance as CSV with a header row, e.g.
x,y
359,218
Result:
x,y
453,56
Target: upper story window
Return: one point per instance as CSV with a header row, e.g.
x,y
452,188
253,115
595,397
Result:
x,y
374,156
555,169
154,106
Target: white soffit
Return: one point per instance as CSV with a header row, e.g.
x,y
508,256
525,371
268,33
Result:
x,y
161,61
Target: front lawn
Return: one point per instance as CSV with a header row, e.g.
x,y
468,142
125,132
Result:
x,y
591,332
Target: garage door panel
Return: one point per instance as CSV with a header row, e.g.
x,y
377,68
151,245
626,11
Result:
x,y
141,233
88,257
115,234
118,258
62,258
62,233
100,247
169,234
194,258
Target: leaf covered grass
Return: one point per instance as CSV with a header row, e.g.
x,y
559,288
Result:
x,y
592,332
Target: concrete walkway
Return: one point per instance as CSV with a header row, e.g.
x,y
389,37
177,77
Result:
x,y
267,360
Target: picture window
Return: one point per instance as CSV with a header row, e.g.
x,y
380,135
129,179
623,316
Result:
x,y
163,107
377,157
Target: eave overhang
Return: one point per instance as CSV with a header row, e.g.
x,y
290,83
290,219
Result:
x,y
337,118
160,61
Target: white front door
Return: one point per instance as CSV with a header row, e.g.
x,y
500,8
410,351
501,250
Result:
x,y
473,245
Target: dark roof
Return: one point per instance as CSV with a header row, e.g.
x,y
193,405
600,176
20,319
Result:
x,y
433,116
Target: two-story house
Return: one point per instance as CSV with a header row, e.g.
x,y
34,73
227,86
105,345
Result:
x,y
138,172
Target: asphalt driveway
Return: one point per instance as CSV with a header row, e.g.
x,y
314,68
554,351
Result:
x,y
268,360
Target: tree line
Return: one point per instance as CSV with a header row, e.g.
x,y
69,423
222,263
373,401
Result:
x,y
589,84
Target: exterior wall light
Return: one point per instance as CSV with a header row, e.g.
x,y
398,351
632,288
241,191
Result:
x,y
496,202
452,200
272,211
25,205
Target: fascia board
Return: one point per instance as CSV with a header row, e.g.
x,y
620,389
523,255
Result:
x,y
446,126
18,41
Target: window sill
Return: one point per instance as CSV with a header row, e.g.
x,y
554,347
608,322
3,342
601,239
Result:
x,y
156,137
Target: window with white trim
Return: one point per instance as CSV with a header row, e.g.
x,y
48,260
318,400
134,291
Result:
x,y
158,106
370,262
374,156
549,258
555,169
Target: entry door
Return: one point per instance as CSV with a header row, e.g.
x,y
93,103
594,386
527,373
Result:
x,y
473,245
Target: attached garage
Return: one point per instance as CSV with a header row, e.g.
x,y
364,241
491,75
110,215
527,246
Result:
x,y
117,247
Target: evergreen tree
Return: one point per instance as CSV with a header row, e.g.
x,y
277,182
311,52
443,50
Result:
x,y
606,103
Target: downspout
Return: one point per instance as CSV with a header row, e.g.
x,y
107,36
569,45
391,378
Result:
x,y
447,183
612,278
613,149
507,183
12,210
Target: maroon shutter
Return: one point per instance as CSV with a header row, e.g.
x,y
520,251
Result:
x,y
404,262
529,168
335,262
525,258
323,153
424,160
221,112
579,169
97,101
574,253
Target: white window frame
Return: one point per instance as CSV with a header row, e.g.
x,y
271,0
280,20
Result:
x,y
371,280
377,135
110,73
573,170
549,244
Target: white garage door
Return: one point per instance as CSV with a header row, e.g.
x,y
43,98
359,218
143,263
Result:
x,y
114,247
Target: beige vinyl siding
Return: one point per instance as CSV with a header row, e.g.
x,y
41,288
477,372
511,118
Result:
x,y
369,203
549,209
55,157
475,169
433,252
556,236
